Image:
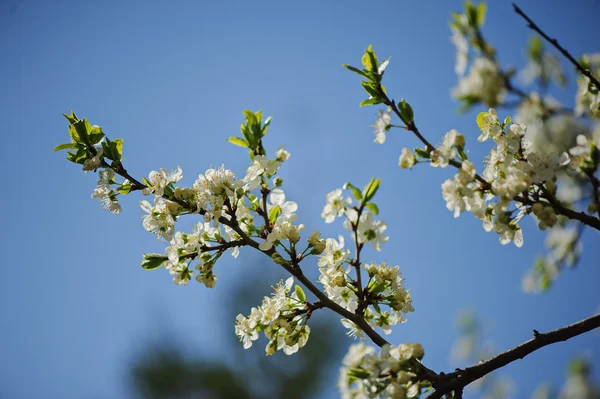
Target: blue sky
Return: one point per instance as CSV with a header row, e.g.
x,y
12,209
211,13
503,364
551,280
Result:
x,y
172,79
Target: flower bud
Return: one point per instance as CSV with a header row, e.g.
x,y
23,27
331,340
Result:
x,y
418,351
459,141
551,186
537,209
173,207
293,235
319,248
407,159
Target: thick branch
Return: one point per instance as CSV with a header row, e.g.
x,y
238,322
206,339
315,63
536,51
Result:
x,y
457,380
554,42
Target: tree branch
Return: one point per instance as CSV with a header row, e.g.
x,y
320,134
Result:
x,y
554,42
457,380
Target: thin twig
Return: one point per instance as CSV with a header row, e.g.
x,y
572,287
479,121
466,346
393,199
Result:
x,y
461,378
554,42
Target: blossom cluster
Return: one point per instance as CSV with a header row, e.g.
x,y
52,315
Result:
x,y
282,318
391,374
513,172
385,285
588,95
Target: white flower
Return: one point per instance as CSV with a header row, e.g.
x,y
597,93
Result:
x,y
94,162
445,151
483,82
353,330
281,155
407,159
245,328
382,125
335,206
105,195
367,229
160,180
261,165
277,198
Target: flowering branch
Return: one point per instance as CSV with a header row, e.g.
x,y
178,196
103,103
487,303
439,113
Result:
x,y
554,42
457,380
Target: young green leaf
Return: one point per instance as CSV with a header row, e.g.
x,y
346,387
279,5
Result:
x,y
406,111
274,213
373,208
300,293
152,261
71,146
239,142
371,189
355,191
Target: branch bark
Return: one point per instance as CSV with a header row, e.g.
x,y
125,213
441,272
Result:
x,y
554,42
457,380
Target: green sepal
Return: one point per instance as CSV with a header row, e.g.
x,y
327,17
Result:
x,y
153,261
300,293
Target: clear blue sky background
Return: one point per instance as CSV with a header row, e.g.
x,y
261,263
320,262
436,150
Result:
x,y
172,79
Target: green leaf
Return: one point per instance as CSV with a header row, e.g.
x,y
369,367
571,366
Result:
x,y
71,146
79,157
83,129
406,111
373,208
356,70
371,189
507,120
72,118
153,261
300,293
73,134
96,135
370,101
471,13
481,11
113,149
355,191
239,142
367,59
125,188
274,212
536,47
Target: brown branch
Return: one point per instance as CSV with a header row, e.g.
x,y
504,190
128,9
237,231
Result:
x,y
457,380
554,42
